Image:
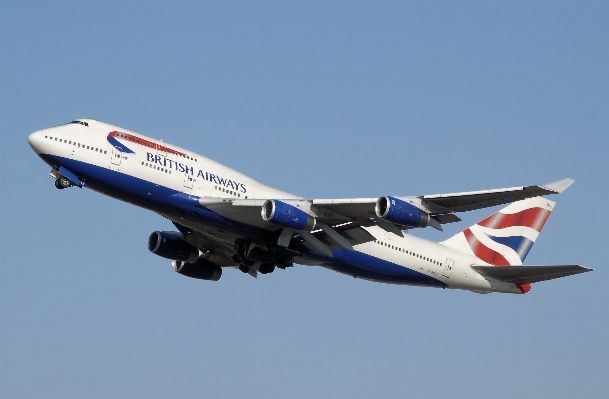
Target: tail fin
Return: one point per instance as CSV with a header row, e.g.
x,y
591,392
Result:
x,y
506,237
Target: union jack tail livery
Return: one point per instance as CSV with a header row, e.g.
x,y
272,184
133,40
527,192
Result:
x,y
506,237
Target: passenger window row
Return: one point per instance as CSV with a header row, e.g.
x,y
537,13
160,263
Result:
x,y
74,143
226,190
156,167
407,252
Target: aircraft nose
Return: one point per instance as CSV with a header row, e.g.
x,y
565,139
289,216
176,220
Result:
x,y
34,140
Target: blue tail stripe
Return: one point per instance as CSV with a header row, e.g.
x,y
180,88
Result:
x,y
521,245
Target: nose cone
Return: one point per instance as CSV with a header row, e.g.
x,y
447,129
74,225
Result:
x,y
35,141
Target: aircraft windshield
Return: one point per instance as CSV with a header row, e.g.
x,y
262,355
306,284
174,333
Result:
x,y
80,123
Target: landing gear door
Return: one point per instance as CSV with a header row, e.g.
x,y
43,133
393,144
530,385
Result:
x,y
448,268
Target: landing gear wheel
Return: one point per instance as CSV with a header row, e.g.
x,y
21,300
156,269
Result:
x,y
62,183
241,244
266,268
244,268
283,262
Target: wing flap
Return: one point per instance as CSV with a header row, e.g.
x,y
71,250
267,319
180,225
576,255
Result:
x,y
529,274
354,208
352,231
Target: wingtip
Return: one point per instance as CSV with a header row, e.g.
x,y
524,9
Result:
x,y
559,186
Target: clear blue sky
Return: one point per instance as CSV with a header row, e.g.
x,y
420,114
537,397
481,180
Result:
x,y
322,100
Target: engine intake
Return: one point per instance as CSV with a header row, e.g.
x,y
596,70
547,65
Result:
x,y
286,215
170,245
401,212
202,269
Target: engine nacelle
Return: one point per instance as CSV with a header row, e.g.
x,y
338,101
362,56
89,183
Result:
x,y
203,269
170,245
286,215
400,212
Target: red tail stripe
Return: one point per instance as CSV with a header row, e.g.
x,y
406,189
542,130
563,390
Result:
x,y
483,252
534,218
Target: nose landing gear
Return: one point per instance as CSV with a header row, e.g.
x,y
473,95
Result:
x,y
62,183
251,257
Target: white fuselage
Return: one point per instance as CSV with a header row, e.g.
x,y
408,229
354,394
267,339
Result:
x,y
155,170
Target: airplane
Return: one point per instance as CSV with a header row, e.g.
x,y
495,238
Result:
x,y
227,219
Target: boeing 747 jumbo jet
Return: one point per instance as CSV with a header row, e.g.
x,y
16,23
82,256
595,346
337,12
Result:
x,y
226,219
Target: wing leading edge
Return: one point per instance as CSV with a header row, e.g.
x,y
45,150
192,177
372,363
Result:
x,y
469,201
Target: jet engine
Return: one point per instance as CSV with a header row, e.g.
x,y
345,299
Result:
x,y
286,215
400,212
203,269
170,245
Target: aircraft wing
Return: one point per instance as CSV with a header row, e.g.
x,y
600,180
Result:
x,y
430,210
448,203
529,274
441,206
469,201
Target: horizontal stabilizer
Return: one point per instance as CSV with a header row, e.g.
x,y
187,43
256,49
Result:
x,y
529,274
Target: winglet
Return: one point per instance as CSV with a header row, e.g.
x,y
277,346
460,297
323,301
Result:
x,y
558,186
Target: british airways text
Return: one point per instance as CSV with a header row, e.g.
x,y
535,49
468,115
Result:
x,y
180,167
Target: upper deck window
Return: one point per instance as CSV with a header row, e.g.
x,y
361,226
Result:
x,y
80,123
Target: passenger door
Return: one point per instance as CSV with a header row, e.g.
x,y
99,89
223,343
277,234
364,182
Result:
x,y
116,157
188,180
448,268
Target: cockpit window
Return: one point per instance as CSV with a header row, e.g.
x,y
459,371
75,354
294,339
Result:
x,y
80,123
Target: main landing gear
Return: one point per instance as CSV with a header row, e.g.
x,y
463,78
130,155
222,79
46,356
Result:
x,y
248,255
244,264
264,268
62,183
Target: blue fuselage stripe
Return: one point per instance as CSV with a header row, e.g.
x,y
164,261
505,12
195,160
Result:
x,y
183,206
369,267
